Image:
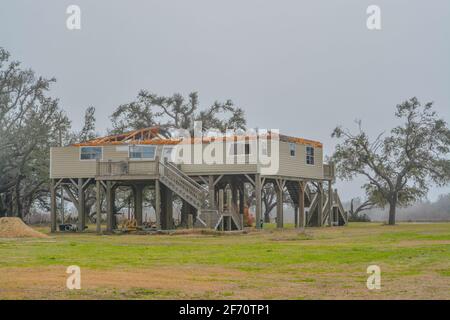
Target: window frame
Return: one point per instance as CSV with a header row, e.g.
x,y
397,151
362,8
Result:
x,y
233,147
81,147
264,145
309,156
172,155
142,146
292,148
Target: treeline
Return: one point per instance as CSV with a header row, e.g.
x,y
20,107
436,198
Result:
x,y
31,121
426,210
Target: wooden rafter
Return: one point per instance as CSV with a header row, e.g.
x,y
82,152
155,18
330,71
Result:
x,y
154,135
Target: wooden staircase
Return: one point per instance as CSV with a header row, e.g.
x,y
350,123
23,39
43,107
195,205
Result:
x,y
293,190
183,185
339,216
312,203
196,195
229,220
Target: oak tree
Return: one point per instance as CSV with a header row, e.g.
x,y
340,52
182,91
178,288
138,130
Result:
x,y
399,167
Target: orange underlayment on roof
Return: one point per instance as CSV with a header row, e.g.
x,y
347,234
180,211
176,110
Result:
x,y
155,136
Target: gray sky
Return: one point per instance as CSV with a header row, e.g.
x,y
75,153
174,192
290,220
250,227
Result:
x,y
300,66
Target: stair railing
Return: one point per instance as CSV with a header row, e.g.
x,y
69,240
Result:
x,y
339,204
181,173
312,207
179,178
325,207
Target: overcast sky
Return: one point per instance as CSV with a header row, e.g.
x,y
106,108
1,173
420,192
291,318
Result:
x,y
300,66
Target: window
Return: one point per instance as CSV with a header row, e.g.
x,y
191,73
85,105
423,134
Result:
x,y
292,147
142,152
169,153
310,155
239,149
263,146
247,148
91,153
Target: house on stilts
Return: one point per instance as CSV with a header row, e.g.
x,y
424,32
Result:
x,y
211,179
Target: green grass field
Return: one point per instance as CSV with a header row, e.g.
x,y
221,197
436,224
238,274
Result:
x,y
272,264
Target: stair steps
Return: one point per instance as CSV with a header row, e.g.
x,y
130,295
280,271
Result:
x,y
193,193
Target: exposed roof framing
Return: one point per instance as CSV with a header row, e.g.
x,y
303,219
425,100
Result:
x,y
155,135
146,134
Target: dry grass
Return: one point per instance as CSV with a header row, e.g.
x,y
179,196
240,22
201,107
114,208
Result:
x,y
326,263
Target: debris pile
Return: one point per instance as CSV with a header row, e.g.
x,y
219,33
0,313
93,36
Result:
x,y
16,228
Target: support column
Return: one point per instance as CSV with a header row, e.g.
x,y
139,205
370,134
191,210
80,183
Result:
x,y
113,204
301,204
330,203
234,196
221,202
212,201
109,207
229,198
81,206
242,205
190,221
52,205
138,197
158,204
98,206
296,215
320,205
258,200
62,213
185,211
279,189
183,214
166,208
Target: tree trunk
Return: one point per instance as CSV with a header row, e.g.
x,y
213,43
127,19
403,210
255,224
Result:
x,y
267,216
10,209
2,206
184,214
392,209
267,210
18,202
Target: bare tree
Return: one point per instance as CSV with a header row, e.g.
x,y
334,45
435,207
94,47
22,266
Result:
x,y
88,130
268,198
175,111
400,167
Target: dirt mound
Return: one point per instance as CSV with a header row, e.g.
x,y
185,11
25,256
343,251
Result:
x,y
16,228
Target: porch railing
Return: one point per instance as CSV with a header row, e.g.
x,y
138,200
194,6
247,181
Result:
x,y
125,167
